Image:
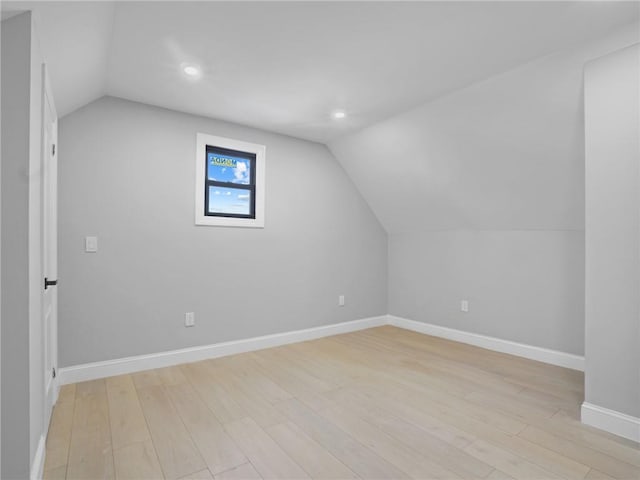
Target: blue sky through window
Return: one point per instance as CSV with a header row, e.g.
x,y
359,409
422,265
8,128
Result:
x,y
229,200
228,168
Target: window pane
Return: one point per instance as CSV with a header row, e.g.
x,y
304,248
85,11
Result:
x,y
224,167
229,201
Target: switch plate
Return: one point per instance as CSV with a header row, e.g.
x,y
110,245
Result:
x,y
464,306
91,244
189,319
341,301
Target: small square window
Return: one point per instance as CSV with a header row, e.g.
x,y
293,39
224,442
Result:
x,y
229,182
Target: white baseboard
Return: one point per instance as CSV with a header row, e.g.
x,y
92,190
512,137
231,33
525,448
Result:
x,y
610,420
599,417
553,357
120,366
37,466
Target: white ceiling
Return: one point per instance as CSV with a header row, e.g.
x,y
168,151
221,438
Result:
x,y
503,154
285,66
75,39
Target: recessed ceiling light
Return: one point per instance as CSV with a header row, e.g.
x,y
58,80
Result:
x,y
191,70
339,114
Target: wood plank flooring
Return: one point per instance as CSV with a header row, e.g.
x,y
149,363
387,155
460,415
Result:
x,y
379,403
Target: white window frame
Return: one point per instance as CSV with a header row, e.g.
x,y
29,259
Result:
x,y
259,151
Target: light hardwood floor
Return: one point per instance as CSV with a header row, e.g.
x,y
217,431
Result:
x,y
379,403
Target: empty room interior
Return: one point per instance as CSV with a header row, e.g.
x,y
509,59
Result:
x,y
328,240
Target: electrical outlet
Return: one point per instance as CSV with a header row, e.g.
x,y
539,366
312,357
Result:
x,y
91,244
189,319
341,301
464,306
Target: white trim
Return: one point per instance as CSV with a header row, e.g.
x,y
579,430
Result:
x,y
37,466
119,366
202,140
554,357
92,371
611,421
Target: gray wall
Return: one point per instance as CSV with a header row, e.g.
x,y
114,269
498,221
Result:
x,y
126,174
0,252
22,361
526,286
612,122
15,261
482,194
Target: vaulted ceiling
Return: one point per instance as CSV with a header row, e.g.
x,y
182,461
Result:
x,y
460,115
286,66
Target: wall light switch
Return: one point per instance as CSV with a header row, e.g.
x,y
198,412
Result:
x,y
341,301
464,306
189,319
91,244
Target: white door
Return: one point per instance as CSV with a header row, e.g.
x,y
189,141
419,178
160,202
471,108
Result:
x,y
49,244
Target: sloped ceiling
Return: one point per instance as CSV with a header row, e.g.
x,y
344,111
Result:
x,y
75,40
459,114
285,66
503,154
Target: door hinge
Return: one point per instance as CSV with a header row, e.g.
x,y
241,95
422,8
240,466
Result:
x,y
53,372
53,150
